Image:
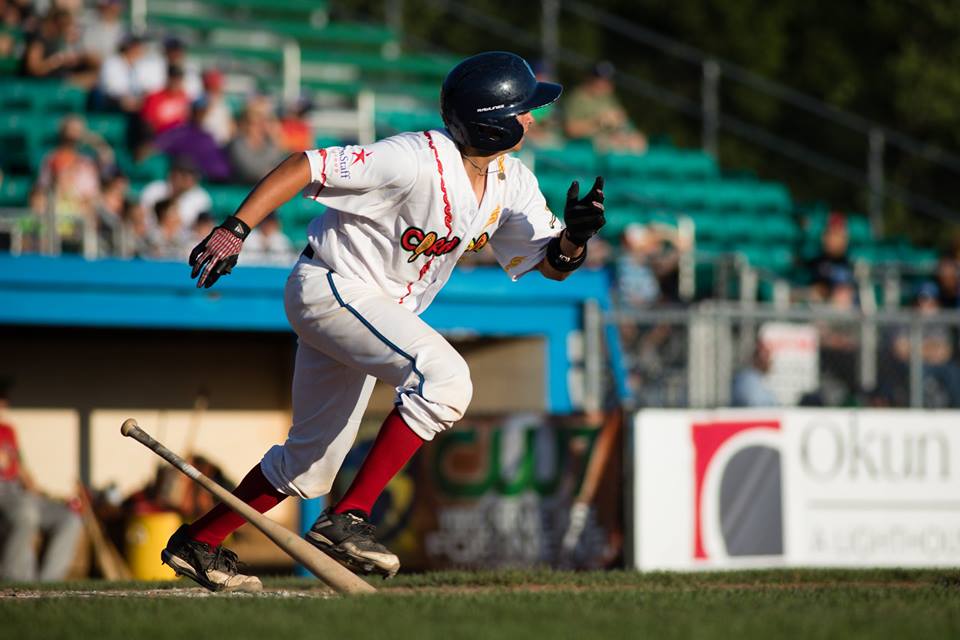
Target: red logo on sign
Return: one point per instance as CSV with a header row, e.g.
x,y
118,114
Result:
x,y
430,244
708,438
360,156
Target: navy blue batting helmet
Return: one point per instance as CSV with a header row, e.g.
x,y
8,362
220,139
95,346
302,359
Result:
x,y
483,95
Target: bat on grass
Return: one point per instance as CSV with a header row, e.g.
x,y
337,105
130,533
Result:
x,y
321,565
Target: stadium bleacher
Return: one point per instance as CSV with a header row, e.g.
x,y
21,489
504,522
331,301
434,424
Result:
x,y
757,220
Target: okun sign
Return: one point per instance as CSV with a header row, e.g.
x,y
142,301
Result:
x,y
797,488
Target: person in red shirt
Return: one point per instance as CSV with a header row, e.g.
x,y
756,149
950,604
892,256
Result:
x,y
169,107
25,512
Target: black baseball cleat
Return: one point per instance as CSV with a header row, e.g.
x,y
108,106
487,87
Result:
x,y
214,569
349,538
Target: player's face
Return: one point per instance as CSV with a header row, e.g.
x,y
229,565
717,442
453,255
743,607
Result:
x,y
526,121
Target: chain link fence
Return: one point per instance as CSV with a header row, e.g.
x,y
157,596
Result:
x,y
719,354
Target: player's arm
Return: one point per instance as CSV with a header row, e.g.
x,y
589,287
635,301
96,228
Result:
x,y
583,218
217,254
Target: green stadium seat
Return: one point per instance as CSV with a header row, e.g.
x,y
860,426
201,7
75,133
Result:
x,y
663,163
41,95
15,190
770,258
226,198
578,158
396,121
113,127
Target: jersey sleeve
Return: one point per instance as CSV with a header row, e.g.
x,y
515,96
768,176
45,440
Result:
x,y
520,242
361,178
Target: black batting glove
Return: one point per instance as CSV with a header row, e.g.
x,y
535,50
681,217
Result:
x,y
584,216
217,254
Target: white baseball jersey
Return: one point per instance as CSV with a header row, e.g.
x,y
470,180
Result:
x,y
402,212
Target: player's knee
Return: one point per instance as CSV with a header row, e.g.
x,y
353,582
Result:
x,y
457,386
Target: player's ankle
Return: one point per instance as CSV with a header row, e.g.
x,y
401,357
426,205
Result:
x,y
353,509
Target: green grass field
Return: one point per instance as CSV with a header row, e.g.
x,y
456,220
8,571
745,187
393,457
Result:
x,y
510,604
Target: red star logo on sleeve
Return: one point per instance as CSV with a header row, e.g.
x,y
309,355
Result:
x,y
360,156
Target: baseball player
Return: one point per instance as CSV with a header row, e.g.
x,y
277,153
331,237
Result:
x,y
401,212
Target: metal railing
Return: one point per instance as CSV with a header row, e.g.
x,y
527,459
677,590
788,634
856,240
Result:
x,y
690,357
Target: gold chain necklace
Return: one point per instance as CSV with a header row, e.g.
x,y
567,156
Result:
x,y
480,170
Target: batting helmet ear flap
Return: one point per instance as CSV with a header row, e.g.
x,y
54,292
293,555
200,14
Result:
x,y
496,137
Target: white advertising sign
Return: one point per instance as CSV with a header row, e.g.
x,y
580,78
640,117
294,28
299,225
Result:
x,y
727,489
794,359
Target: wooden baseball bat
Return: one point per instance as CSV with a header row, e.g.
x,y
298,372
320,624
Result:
x,y
320,564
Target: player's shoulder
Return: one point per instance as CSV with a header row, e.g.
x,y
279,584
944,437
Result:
x,y
520,179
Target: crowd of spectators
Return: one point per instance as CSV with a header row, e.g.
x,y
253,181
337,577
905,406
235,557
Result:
x,y
172,107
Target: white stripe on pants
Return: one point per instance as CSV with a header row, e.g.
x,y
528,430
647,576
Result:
x,y
351,333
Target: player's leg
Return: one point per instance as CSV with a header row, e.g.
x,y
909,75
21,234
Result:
x,y
62,527
21,517
328,401
372,333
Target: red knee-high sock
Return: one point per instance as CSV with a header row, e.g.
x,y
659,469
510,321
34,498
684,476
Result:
x,y
221,521
395,445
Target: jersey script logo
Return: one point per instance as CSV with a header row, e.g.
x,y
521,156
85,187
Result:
x,y
478,243
419,243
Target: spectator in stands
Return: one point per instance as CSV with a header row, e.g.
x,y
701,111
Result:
x,y
175,53
136,230
840,342
832,267
649,262
268,244
948,282
122,82
25,512
190,140
750,385
593,112
103,34
69,179
48,53
182,185
546,131
941,374
169,107
254,152
167,240
201,228
218,118
296,133
109,212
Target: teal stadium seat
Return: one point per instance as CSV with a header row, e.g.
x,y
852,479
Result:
x,y
15,191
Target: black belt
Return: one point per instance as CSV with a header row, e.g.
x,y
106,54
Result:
x,y
308,252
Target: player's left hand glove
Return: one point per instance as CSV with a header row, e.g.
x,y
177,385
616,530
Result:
x,y
584,216
217,254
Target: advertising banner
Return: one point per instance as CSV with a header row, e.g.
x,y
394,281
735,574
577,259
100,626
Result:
x,y
502,491
796,488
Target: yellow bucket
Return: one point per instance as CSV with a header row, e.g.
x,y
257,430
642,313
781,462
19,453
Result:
x,y
146,536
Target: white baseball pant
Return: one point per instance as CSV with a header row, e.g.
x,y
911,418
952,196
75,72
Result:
x,y
349,334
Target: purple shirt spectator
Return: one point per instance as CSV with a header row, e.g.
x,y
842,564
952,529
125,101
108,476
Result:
x,y
191,141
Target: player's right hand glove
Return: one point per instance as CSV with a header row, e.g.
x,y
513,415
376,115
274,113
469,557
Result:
x,y
584,216
217,254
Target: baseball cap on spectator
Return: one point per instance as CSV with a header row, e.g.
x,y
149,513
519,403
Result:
x,y
131,40
184,164
603,69
928,291
836,221
212,80
173,43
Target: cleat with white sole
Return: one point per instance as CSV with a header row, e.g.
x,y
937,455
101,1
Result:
x,y
214,569
350,539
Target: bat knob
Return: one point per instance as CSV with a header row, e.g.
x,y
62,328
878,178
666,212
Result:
x,y
128,426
